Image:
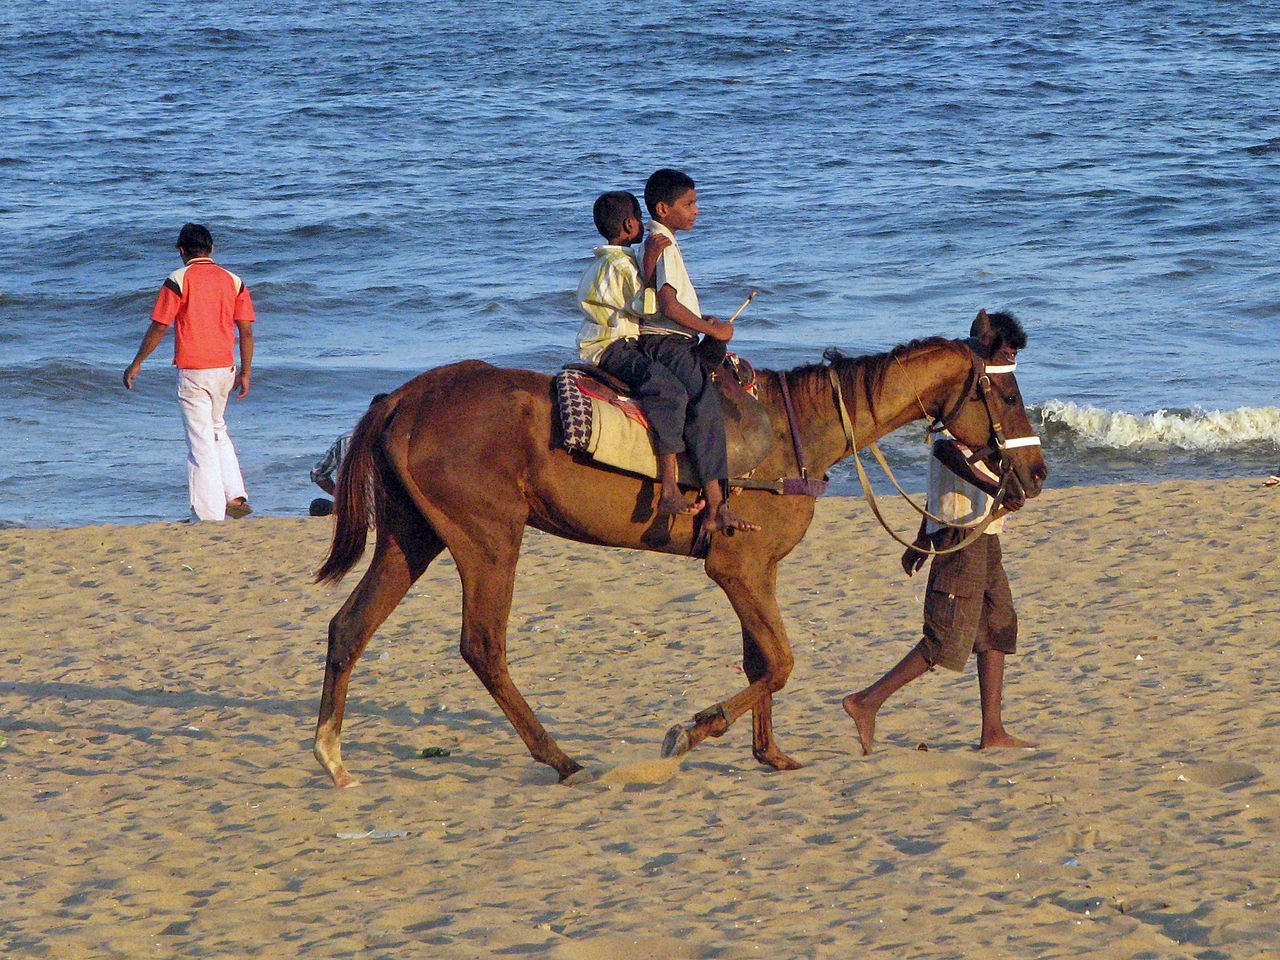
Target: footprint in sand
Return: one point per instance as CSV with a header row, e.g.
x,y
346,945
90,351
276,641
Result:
x,y
931,769
1221,773
642,772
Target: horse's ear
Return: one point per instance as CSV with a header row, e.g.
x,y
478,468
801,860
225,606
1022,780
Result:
x,y
982,331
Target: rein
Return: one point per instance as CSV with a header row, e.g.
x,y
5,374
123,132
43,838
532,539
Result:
x,y
1008,482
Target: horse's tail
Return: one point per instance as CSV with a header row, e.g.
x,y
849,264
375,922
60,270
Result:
x,y
359,487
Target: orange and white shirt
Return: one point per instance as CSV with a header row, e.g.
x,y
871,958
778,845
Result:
x,y
202,302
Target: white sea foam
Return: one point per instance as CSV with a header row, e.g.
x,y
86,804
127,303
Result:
x,y
1185,430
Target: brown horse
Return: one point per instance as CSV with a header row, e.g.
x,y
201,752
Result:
x,y
464,458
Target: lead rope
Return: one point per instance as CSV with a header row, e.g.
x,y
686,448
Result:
x,y
851,447
976,529
935,423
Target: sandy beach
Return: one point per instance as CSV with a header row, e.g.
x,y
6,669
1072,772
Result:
x,y
158,797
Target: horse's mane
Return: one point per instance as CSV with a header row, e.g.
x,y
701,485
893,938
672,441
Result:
x,y
874,367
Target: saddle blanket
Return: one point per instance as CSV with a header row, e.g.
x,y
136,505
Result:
x,y
610,429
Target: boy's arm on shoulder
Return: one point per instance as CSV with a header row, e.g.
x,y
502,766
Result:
x,y
654,244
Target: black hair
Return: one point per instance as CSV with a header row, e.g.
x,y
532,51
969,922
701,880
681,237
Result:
x,y
1008,330
612,209
665,186
195,240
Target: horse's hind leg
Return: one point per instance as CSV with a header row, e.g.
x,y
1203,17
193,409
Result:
x,y
391,572
487,584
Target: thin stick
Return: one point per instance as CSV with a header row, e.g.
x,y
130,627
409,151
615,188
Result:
x,y
744,305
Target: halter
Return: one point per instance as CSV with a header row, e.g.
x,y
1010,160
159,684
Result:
x,y
1008,481
1003,444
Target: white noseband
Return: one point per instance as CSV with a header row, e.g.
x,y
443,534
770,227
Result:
x,y
1021,442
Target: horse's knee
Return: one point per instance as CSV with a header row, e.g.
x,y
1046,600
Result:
x,y
767,664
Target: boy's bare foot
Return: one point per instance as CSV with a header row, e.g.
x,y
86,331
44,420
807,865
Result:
x,y
672,505
725,519
1002,740
863,718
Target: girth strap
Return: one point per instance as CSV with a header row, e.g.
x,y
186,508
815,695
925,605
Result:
x,y
791,422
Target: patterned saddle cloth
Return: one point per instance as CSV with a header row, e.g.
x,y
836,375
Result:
x,y
599,420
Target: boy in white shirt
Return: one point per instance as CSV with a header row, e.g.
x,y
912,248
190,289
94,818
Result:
x,y
968,605
694,420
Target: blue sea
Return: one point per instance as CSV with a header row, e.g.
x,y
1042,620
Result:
x,y
404,185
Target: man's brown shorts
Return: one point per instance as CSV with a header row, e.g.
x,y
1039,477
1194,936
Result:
x,y
968,605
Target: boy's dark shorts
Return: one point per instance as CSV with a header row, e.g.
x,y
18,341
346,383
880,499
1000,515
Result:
x,y
968,605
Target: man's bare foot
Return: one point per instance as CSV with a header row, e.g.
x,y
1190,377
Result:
x,y
863,718
724,520
673,504
1002,740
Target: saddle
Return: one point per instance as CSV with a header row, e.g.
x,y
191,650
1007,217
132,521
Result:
x,y
600,420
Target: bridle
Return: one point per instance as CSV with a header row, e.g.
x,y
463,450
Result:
x,y
1002,444
1009,485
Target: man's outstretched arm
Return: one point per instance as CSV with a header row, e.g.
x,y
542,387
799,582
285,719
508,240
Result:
x,y
150,340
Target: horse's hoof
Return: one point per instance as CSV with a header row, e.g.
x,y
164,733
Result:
x,y
779,761
676,743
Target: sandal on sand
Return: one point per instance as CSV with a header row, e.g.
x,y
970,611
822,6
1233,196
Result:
x,y
239,508
1271,481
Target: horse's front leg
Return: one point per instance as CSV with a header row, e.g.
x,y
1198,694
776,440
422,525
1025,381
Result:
x,y
766,660
763,747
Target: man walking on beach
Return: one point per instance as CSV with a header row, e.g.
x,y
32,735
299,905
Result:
x,y
207,306
968,604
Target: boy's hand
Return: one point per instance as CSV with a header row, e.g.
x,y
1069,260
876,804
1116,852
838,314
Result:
x,y
130,373
241,384
718,329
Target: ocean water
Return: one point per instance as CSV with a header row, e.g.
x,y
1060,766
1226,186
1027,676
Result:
x,y
405,185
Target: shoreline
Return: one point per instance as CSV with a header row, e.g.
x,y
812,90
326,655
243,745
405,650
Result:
x,y
884,491
163,679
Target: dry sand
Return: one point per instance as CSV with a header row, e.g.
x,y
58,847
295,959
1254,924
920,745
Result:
x,y
158,797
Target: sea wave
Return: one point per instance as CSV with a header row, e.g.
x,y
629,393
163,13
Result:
x,y
1197,429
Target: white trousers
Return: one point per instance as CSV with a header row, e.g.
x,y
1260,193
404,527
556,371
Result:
x,y
213,472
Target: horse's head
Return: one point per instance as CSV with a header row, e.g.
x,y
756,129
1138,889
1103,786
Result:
x,y
992,420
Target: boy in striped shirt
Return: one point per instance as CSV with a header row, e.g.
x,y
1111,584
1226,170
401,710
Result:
x,y
610,293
